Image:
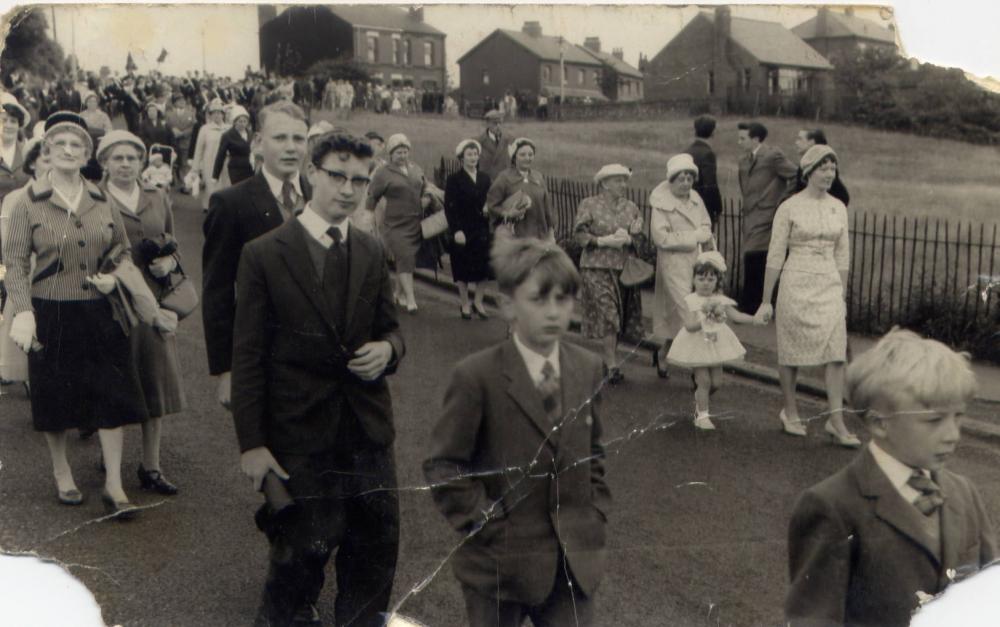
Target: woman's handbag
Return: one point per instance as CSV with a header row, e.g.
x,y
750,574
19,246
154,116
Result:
x,y
180,296
635,272
434,225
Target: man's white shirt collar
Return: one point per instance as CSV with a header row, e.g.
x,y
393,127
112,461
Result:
x,y
753,153
275,183
897,472
316,226
535,362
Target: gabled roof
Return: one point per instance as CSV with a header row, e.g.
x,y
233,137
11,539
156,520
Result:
x,y
380,16
544,47
841,25
619,66
773,44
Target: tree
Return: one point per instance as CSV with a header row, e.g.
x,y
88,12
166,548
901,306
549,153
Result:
x,y
341,68
28,47
609,82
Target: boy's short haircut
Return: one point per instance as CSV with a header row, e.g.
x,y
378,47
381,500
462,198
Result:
x,y
704,126
902,366
339,143
289,108
514,260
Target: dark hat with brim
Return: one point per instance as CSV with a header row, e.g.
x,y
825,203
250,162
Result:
x,y
68,121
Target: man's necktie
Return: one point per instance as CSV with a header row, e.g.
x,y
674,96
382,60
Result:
x,y
336,275
551,392
288,200
930,498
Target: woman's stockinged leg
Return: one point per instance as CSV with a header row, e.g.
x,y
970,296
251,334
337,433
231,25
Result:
x,y
406,281
112,442
835,395
609,346
463,294
151,430
788,376
703,379
56,441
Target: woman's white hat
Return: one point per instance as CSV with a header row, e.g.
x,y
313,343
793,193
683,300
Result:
x,y
237,112
612,169
465,143
7,100
396,141
517,143
119,136
713,258
681,163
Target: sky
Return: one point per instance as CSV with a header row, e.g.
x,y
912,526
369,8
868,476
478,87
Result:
x,y
102,35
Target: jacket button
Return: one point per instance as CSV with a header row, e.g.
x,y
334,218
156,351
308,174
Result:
x,y
79,224
82,243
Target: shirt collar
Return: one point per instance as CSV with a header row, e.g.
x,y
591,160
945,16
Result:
x,y
753,153
535,362
8,155
275,183
317,226
897,472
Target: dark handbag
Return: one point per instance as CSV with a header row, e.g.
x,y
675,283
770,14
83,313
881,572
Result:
x,y
636,272
180,296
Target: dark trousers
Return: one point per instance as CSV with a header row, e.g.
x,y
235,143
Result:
x,y
346,500
565,605
753,282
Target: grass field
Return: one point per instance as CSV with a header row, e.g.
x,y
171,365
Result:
x,y
886,173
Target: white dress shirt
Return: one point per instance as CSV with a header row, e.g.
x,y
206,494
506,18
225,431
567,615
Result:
x,y
897,472
536,361
317,226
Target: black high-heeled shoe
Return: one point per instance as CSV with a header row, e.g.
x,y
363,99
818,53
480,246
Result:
x,y
153,480
121,510
660,372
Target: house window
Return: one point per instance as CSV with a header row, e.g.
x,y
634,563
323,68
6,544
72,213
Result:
x,y
773,83
428,53
546,74
747,77
862,45
486,77
580,77
407,52
372,49
711,82
397,52
786,81
565,74
597,77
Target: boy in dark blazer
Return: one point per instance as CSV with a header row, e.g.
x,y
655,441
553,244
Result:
x,y
517,462
315,336
894,522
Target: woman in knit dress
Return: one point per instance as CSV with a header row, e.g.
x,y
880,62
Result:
x,y
811,227
680,227
604,228
401,183
464,202
148,220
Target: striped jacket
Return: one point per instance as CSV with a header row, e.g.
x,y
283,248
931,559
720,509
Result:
x,y
69,246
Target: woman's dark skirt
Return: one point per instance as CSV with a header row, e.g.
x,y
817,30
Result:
x,y
83,375
471,263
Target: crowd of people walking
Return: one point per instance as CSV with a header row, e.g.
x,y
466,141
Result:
x,y
311,239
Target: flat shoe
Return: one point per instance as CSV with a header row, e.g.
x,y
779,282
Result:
x,y
153,480
70,497
791,427
466,315
121,510
481,312
704,423
847,441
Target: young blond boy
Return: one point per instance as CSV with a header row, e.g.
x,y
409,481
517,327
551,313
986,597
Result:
x,y
863,542
517,463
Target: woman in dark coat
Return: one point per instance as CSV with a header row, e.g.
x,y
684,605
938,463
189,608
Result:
x,y
464,204
235,144
149,224
154,129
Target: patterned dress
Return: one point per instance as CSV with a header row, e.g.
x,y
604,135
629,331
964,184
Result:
x,y
811,315
608,307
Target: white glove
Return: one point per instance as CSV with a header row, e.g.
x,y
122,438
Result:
x,y
22,330
165,321
460,238
162,266
704,235
103,283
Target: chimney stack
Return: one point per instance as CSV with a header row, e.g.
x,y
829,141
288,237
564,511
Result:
x,y
592,43
417,14
723,26
532,29
618,53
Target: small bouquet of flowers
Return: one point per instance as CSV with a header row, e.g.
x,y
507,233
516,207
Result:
x,y
714,314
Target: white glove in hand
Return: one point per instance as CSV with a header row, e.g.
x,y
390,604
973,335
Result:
x,y
162,266
22,330
103,283
166,321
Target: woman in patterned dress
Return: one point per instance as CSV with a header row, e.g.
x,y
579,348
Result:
x,y
811,227
605,225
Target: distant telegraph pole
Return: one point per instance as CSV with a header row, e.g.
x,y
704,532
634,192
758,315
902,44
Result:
x,y
562,76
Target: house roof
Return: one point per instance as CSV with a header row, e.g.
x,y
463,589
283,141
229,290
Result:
x,y
380,16
841,25
545,47
619,66
773,44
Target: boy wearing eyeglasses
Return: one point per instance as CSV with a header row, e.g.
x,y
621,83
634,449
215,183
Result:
x,y
315,336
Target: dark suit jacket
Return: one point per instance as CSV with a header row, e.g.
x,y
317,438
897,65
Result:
x,y
494,451
763,181
238,150
494,158
857,553
707,184
236,215
290,381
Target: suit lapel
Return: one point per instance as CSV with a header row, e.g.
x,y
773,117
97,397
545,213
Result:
x,y
522,390
295,253
265,203
890,506
952,515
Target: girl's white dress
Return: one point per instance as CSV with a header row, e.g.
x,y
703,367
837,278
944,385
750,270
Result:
x,y
694,350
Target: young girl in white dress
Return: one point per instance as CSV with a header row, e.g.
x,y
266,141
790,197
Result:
x,y
706,342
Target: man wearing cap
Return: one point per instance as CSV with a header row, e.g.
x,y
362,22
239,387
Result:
x,y
243,212
765,174
494,159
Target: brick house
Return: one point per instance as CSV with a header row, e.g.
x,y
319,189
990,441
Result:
x,y
626,82
835,35
738,64
395,46
526,63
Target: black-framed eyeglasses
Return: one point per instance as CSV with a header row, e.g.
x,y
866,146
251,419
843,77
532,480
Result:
x,y
339,179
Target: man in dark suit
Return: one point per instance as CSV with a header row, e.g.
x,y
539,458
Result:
x,y
67,97
806,139
701,151
494,158
316,333
765,174
241,213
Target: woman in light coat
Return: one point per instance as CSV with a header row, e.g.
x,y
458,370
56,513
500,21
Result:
x,y
206,147
680,228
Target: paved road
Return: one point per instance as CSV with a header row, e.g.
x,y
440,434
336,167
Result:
x,y
697,538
